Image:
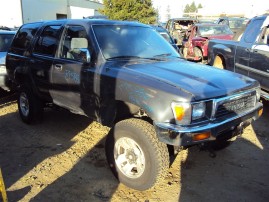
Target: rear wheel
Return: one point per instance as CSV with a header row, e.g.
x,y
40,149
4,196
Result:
x,y
198,53
135,155
219,63
29,105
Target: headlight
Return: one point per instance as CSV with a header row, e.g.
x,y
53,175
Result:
x,y
185,112
198,110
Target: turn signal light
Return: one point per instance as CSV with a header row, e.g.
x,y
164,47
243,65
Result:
x,y
201,136
260,112
179,112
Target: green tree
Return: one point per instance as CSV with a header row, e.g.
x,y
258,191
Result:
x,y
133,10
200,6
191,8
187,9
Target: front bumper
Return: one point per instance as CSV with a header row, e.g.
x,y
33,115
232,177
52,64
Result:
x,y
176,135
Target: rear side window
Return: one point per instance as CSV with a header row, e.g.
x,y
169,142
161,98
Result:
x,y
48,40
5,41
25,35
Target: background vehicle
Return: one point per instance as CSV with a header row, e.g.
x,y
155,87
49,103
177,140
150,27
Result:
x,y
165,34
235,23
249,56
196,44
126,76
177,28
5,41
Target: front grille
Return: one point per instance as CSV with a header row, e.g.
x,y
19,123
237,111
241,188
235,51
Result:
x,y
235,107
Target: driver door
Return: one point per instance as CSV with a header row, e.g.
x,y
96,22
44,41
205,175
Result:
x,y
67,69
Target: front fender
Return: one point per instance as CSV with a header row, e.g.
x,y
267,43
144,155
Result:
x,y
155,102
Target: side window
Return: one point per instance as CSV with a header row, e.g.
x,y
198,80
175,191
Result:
x,y
74,44
48,40
25,35
264,39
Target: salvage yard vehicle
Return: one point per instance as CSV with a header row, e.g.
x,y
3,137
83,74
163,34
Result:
x,y
177,28
152,98
5,41
196,44
165,34
249,56
235,23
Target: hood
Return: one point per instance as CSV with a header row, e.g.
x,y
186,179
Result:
x,y
227,37
202,81
3,57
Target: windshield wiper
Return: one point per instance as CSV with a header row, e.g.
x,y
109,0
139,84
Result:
x,y
162,55
124,57
132,57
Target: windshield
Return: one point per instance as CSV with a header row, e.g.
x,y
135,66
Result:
x,y
214,30
236,23
121,41
5,41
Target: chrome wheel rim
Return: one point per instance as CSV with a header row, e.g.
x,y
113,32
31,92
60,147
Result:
x,y
24,104
129,157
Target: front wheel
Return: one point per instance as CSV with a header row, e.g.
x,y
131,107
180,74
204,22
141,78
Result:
x,y
29,105
198,53
135,155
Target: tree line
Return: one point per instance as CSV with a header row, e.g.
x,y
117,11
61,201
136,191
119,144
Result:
x,y
137,10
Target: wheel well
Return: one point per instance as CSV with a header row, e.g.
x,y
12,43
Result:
x,y
22,79
125,110
199,49
219,62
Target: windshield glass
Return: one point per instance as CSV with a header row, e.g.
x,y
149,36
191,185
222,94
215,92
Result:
x,y
122,41
5,41
214,30
236,23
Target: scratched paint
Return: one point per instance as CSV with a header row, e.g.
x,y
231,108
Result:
x,y
71,75
138,96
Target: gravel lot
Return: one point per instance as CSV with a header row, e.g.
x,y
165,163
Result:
x,y
63,159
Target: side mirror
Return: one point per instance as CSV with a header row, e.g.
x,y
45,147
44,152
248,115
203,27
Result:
x,y
268,39
175,40
85,55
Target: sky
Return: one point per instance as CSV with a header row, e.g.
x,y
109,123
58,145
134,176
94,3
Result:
x,y
248,7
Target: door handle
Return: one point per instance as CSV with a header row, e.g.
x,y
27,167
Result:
x,y
58,67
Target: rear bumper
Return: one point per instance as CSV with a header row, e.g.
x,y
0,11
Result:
x,y
3,78
176,135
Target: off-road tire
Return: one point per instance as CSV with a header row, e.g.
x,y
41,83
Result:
x,y
155,153
33,112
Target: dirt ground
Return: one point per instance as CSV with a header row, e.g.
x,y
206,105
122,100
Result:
x,y
63,159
